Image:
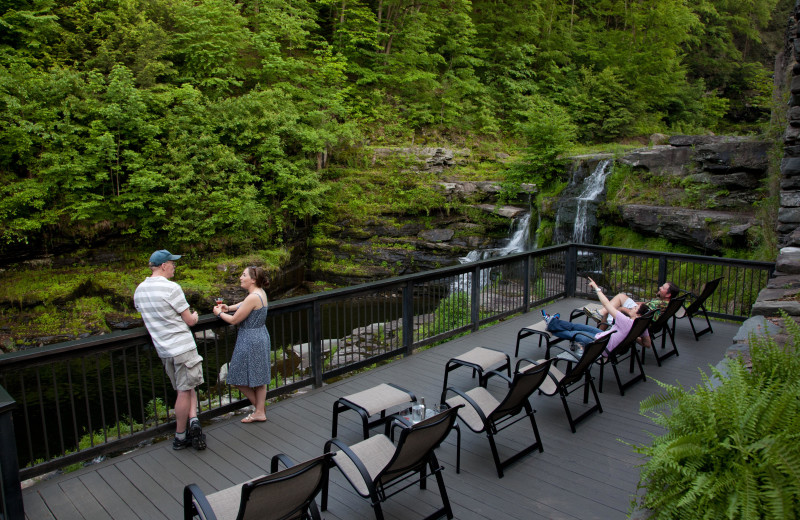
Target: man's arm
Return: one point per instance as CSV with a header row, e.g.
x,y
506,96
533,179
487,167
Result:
x,y
190,318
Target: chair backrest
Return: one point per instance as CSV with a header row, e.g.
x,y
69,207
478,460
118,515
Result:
x,y
707,290
285,494
416,443
591,353
663,319
522,386
638,328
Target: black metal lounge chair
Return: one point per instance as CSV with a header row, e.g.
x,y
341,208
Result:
x,y
483,413
576,376
375,465
661,327
698,305
627,349
282,495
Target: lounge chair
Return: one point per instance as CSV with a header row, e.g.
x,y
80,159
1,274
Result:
x,y
483,413
282,495
627,350
661,328
375,466
577,375
698,305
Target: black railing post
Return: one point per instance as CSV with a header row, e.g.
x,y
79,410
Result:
x,y
475,294
526,285
408,317
315,342
10,488
571,271
662,270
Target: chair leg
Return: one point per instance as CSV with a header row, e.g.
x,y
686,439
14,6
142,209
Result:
x,y
531,411
495,455
566,409
435,469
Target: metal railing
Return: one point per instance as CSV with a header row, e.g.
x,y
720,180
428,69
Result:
x,y
100,395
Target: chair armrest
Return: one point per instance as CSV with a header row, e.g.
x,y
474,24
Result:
x,y
497,373
194,501
280,457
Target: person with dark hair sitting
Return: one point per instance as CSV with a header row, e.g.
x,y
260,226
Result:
x,y
627,305
585,334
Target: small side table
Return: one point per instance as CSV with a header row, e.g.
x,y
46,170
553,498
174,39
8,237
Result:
x,y
370,402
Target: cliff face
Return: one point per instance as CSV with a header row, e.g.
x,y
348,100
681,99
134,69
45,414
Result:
x,y
787,74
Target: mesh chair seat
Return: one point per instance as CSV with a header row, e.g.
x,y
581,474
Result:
x,y
468,414
375,452
483,357
379,398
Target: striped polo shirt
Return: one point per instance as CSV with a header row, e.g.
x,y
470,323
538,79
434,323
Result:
x,y
161,303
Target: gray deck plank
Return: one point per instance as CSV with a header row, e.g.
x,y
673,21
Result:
x,y
589,474
36,508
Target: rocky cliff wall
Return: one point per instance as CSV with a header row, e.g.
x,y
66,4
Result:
x,y
788,68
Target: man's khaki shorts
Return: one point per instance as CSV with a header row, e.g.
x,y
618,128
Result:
x,y
185,370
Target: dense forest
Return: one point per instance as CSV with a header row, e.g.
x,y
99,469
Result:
x,y
212,123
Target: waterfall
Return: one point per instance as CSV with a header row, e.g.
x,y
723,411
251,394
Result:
x,y
517,243
595,184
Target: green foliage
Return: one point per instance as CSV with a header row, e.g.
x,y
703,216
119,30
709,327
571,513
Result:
x,y
731,449
617,236
211,124
549,133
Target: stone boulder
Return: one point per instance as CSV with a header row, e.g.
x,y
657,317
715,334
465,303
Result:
x,y
702,229
503,211
433,159
736,163
480,190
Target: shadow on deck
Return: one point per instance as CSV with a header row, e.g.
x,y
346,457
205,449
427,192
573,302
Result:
x,y
589,474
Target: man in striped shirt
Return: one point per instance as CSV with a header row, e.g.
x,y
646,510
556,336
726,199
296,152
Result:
x,y
167,316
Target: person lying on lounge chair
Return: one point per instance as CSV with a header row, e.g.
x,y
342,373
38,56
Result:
x,y
585,334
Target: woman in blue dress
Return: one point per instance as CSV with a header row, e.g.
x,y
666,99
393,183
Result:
x,y
249,368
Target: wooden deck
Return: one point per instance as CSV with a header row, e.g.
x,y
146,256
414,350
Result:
x,y
589,474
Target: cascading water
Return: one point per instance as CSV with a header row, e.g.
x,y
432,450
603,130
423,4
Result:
x,y
575,216
517,243
595,184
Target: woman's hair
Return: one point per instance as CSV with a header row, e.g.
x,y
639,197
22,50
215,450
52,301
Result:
x,y
259,275
643,309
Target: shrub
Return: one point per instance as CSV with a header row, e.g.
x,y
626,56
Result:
x,y
731,448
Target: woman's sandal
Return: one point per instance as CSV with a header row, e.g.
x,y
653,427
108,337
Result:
x,y
250,419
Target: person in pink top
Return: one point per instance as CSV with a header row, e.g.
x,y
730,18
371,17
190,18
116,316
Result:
x,y
585,334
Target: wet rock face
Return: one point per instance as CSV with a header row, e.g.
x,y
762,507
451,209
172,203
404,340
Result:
x,y
704,230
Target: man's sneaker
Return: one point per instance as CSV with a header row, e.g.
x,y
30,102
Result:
x,y
178,444
196,436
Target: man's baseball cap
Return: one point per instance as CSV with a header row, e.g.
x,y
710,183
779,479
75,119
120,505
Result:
x,y
161,256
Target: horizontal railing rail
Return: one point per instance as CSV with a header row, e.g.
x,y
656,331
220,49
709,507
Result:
x,y
92,397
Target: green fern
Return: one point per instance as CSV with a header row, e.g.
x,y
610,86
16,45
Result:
x,y
730,450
